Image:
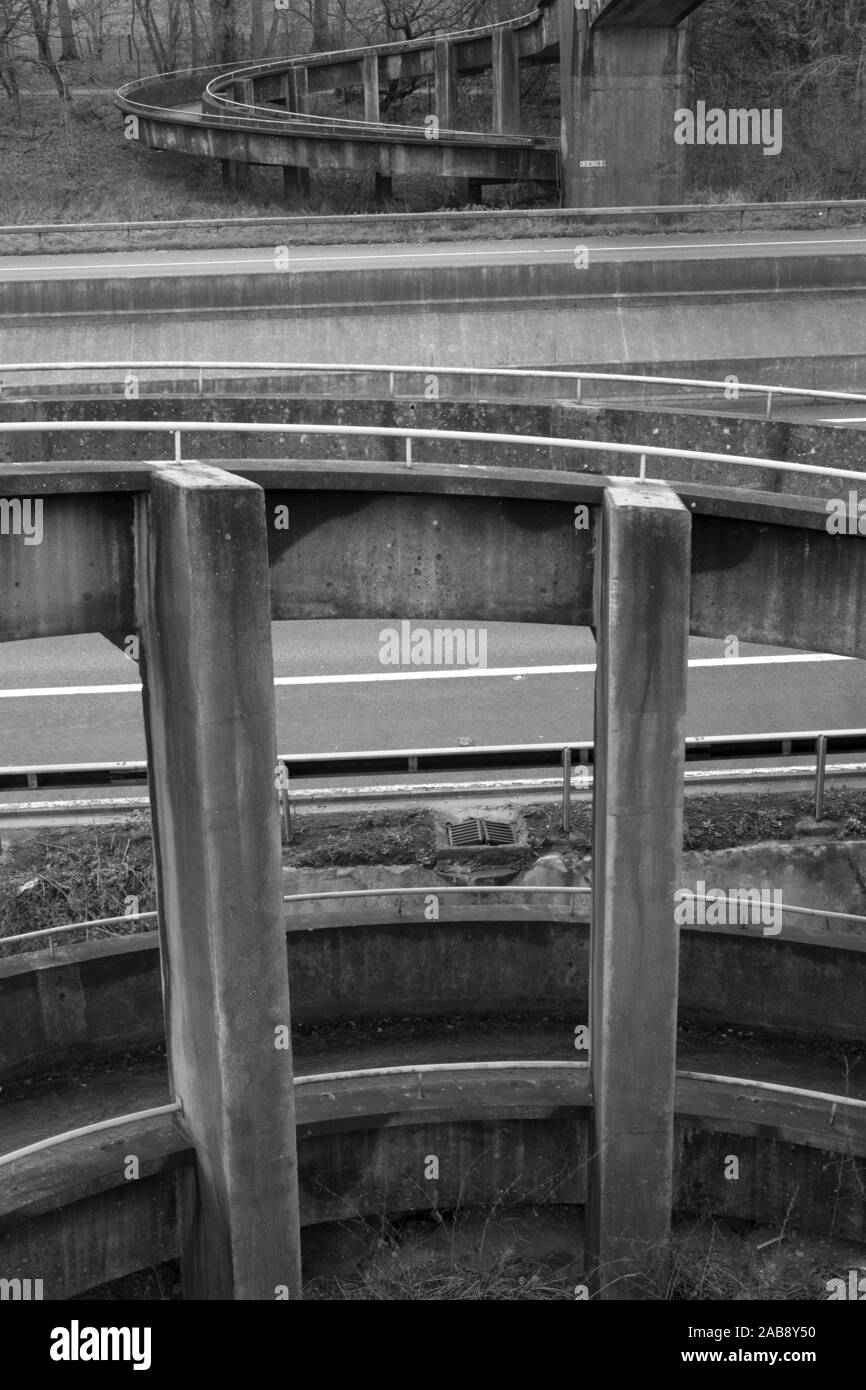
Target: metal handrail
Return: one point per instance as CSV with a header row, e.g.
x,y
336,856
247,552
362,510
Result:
x,y
434,890
393,370
76,926
375,754
97,1127
438,890
409,433
426,1069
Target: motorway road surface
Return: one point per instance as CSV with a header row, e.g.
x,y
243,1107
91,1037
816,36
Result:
x,y
334,694
261,260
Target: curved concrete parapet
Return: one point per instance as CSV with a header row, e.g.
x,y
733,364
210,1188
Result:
x,y
383,958
69,1216
186,558
623,71
259,113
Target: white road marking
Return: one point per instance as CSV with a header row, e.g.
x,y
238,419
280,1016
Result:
x,y
122,268
488,673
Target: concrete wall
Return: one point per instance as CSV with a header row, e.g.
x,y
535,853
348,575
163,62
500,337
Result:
x,y
726,434
384,959
735,309
133,1225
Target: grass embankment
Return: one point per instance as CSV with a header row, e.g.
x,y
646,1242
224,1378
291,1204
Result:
x,y
63,876
77,167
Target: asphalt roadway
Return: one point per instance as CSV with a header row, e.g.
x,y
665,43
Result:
x,y
334,694
261,260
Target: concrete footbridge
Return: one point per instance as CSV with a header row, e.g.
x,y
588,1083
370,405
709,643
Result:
x,y
622,76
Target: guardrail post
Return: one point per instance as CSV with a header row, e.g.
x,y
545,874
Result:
x,y
820,768
566,790
642,612
207,671
285,804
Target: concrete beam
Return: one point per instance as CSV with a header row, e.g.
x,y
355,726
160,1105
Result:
x,y
641,14
642,604
68,567
506,82
763,566
207,671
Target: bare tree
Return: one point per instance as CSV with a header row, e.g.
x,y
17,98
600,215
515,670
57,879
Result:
x,y
224,29
68,46
164,43
40,21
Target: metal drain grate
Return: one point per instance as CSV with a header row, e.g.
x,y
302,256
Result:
x,y
480,832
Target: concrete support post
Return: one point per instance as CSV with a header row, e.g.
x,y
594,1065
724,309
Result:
x,y
295,94
244,91
235,173
295,89
296,182
506,82
207,670
620,89
370,69
445,77
642,613
302,89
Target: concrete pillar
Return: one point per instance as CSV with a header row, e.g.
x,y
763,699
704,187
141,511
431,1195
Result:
x,y
370,69
207,671
642,612
506,82
296,182
294,86
620,89
244,91
445,77
235,173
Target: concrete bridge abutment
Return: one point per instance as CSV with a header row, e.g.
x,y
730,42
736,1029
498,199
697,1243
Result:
x,y
620,89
